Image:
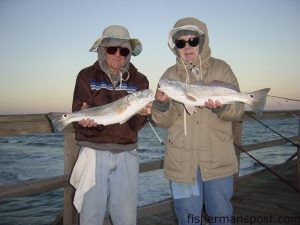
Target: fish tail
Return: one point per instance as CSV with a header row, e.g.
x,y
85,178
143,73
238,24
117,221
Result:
x,y
258,100
59,121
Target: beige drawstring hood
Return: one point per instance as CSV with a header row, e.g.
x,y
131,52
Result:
x,y
193,70
192,24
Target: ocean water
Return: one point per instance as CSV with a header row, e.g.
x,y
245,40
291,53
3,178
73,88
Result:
x,y
40,156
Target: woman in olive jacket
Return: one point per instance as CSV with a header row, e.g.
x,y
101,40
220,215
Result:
x,y
200,157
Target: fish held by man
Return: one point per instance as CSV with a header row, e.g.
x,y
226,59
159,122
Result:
x,y
118,111
196,94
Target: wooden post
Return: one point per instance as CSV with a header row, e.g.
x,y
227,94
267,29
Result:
x,y
237,128
298,159
71,154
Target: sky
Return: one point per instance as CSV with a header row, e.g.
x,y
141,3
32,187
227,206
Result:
x,y
44,44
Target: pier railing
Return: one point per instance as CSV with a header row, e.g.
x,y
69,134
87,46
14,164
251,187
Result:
x,y
12,125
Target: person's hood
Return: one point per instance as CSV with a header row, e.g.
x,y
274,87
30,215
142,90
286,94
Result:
x,y
192,24
102,53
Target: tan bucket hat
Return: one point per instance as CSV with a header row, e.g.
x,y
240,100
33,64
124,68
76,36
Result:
x,y
118,32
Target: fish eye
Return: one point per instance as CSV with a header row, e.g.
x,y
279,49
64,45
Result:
x,y
65,115
251,96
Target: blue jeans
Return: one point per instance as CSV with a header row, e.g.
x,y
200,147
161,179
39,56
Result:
x,y
214,194
116,186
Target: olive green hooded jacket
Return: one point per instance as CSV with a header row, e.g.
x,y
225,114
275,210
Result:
x,y
208,142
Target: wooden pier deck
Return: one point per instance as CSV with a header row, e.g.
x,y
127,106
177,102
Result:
x,y
261,198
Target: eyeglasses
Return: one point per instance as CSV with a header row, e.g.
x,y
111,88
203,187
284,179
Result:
x,y
113,50
193,42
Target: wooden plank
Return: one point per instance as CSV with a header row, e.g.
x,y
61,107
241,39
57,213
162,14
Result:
x,y
243,216
160,213
298,159
164,206
24,128
12,125
281,200
268,144
24,124
32,187
272,114
150,166
268,202
23,118
262,207
107,221
157,207
284,170
42,185
71,151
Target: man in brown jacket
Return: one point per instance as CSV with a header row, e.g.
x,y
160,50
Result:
x,y
200,158
108,165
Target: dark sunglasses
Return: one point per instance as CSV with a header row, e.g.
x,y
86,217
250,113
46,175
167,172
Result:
x,y
113,50
193,42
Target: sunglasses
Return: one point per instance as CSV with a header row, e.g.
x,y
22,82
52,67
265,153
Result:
x,y
113,50
193,42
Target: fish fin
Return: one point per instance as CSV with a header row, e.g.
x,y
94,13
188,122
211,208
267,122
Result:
x,y
188,91
190,108
58,120
258,100
191,97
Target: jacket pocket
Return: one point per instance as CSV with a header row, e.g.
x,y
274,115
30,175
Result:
x,y
222,149
174,151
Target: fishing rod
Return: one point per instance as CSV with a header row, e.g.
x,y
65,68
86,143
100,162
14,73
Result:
x,y
285,138
288,99
267,168
160,140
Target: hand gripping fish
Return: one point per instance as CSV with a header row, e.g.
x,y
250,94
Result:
x,y
116,112
197,94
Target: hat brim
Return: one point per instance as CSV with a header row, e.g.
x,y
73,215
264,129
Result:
x,y
136,45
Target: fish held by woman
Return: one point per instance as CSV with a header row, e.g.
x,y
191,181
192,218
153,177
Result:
x,y
196,94
118,111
